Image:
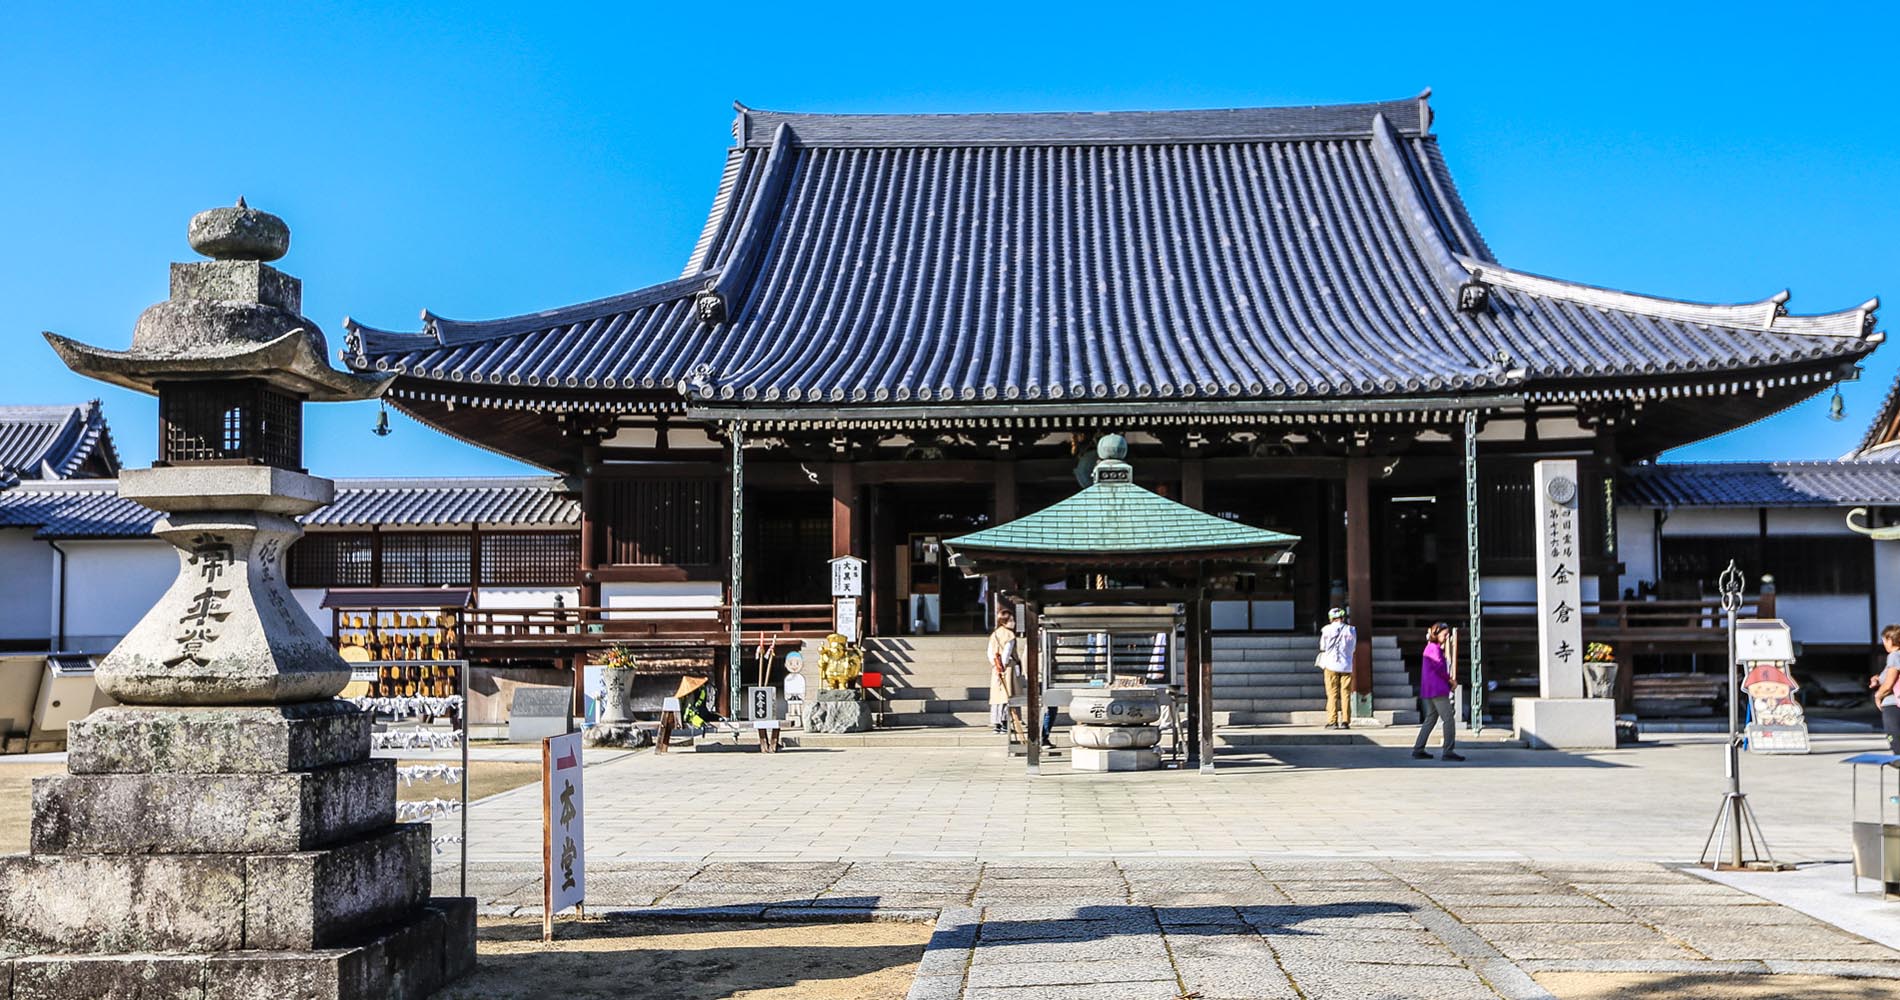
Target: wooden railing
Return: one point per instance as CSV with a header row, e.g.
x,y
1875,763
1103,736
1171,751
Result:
x,y
1656,623
592,627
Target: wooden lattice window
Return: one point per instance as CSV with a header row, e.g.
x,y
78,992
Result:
x,y
244,421
530,558
425,559
664,522
331,560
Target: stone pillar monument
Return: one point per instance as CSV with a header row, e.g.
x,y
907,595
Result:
x,y
223,832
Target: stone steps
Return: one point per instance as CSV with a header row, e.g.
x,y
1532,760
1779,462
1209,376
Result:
x,y
1309,717
907,705
945,719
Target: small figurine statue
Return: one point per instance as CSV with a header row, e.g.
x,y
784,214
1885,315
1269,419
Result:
x,y
839,662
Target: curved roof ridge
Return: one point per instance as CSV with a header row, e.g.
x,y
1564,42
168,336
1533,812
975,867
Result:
x,y
1884,421
755,127
1445,262
1767,315
440,330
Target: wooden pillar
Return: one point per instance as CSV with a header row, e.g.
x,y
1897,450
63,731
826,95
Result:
x,y
1204,642
1194,483
1002,508
1191,650
592,538
475,562
1032,684
844,509
1359,566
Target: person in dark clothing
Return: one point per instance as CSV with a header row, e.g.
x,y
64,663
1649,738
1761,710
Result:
x,y
1887,687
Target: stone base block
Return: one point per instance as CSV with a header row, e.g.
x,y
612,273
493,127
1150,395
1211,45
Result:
x,y
317,899
121,903
212,813
1115,737
433,947
837,712
259,740
1086,759
78,903
1565,723
617,734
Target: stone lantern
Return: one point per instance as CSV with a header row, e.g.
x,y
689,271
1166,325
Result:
x,y
224,831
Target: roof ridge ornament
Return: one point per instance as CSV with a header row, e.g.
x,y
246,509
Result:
x,y
1111,464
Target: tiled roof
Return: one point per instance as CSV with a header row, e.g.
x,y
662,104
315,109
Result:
x,y
94,509
1763,484
1255,254
501,503
1118,519
54,442
89,508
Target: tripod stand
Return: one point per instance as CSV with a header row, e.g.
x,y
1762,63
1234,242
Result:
x,y
1735,822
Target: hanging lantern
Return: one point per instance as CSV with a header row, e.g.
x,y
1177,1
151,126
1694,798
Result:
x,y
381,429
1837,407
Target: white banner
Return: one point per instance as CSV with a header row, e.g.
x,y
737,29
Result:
x,y
1559,581
847,619
564,844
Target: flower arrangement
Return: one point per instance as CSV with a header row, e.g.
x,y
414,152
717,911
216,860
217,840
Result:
x,y
1598,652
615,657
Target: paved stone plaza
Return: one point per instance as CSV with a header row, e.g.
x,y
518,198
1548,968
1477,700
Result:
x,y
1299,872
1650,803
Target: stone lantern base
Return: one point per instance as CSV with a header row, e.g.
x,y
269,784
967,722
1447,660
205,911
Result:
x,y
226,852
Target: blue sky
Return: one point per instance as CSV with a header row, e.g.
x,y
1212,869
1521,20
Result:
x,y
488,160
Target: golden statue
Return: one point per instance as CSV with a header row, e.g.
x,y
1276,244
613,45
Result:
x,y
839,662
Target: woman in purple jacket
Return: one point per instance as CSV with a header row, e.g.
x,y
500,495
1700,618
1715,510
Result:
x,y
1435,682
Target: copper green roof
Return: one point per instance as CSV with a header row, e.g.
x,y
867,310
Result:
x,y
1117,518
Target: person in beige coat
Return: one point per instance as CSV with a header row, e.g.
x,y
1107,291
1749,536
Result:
x,y
1004,667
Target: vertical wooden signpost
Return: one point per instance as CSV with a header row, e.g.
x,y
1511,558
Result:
x,y
563,830
847,587
1559,582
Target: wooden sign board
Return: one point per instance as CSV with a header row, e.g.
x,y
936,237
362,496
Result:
x,y
1763,640
847,577
563,829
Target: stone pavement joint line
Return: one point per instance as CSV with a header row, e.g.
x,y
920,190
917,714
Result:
x,y
1272,929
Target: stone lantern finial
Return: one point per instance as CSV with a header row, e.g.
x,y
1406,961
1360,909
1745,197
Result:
x,y
241,233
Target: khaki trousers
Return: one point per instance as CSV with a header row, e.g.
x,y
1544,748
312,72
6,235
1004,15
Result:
x,y
1338,696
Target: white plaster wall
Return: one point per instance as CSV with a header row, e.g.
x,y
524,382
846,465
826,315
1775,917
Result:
x,y
20,678
109,587
528,597
695,599
1746,521
1808,521
1887,581
1523,588
1635,546
26,585
310,599
1826,618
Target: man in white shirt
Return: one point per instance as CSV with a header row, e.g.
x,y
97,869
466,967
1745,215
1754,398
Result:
x,y
1336,644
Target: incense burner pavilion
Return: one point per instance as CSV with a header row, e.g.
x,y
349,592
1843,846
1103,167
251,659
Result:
x,y
899,329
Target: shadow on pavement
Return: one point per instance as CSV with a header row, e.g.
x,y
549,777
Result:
x,y
1359,758
677,959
